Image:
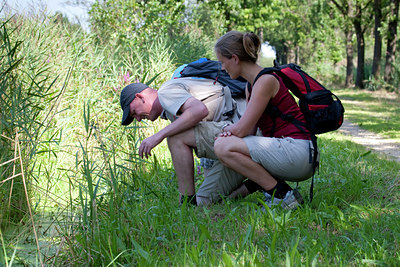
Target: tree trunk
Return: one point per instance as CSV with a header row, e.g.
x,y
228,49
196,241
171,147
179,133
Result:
x,y
349,54
376,64
279,55
360,48
391,42
346,8
283,55
228,18
260,34
291,53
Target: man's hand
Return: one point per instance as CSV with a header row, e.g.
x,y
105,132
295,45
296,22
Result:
x,y
148,144
192,112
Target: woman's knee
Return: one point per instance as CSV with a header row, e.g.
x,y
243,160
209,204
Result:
x,y
221,147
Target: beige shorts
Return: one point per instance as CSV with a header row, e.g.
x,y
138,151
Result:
x,y
220,181
205,133
285,158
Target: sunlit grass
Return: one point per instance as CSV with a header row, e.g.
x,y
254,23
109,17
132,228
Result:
x,y
376,111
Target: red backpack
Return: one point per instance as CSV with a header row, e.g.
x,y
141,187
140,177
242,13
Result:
x,y
322,109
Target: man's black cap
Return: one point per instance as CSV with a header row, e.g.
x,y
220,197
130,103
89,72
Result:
x,y
127,96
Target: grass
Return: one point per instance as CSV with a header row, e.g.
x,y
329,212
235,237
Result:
x,y
96,203
376,111
351,221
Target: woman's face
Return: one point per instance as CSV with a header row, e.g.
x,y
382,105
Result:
x,y
230,65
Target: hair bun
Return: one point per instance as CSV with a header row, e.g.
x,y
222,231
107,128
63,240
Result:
x,y
251,44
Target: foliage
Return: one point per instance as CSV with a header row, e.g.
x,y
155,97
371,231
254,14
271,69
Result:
x,y
309,33
303,32
325,21
285,28
132,23
190,46
223,15
136,25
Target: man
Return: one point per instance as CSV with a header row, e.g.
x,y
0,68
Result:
x,y
196,109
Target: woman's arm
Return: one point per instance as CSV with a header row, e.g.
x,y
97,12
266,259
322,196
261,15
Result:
x,y
264,89
254,130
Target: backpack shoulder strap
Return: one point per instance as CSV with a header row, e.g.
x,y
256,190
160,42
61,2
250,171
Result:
x,y
261,73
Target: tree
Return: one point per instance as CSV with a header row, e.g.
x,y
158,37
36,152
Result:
x,y
391,41
220,14
132,23
376,63
285,26
346,9
353,12
360,25
298,33
324,37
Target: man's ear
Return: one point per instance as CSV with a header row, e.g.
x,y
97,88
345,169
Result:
x,y
140,96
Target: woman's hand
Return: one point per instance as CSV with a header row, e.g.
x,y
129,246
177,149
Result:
x,y
226,131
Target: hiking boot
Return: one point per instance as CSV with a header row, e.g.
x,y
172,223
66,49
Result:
x,y
291,201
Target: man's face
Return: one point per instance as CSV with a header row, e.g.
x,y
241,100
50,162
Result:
x,y
141,108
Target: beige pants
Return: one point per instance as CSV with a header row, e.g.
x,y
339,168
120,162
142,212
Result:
x,y
285,158
220,181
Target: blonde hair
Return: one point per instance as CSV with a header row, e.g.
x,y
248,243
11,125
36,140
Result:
x,y
245,45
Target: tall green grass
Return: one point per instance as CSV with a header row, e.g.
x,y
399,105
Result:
x,y
26,90
96,203
62,93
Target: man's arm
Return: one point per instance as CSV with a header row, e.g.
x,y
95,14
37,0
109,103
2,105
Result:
x,y
192,112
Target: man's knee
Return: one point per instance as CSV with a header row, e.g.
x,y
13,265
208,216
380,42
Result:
x,y
172,139
183,138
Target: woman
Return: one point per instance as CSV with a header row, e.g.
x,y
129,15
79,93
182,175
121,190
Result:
x,y
283,151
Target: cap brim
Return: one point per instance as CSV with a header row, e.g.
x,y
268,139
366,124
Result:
x,y
126,119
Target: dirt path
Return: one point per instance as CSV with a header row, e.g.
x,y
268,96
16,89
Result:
x,y
372,140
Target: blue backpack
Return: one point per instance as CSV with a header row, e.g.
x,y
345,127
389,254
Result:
x,y
211,69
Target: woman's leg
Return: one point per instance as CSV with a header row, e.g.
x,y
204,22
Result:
x,y
233,152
